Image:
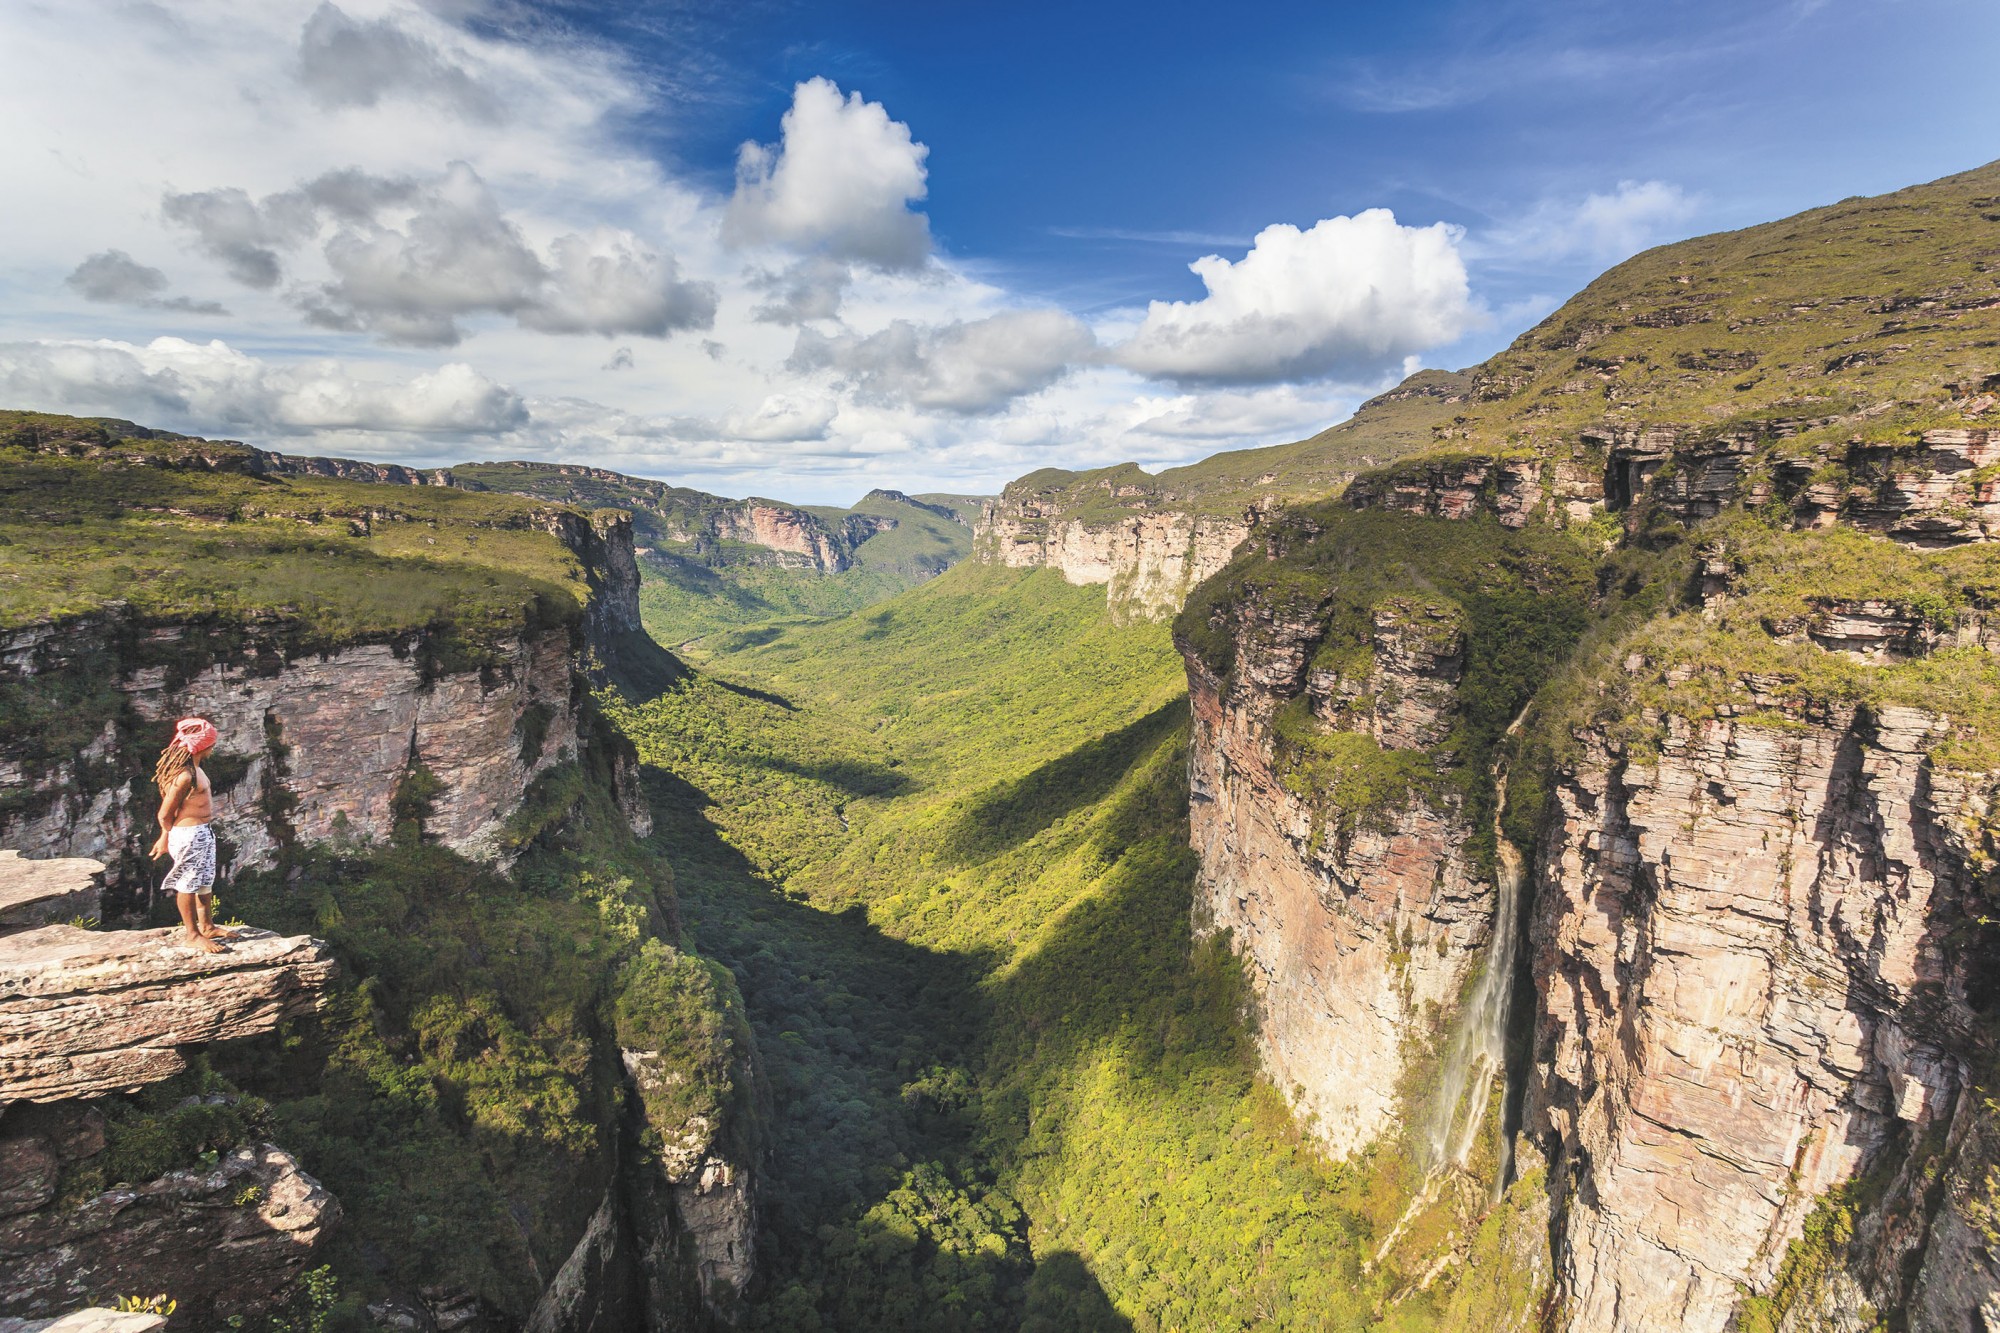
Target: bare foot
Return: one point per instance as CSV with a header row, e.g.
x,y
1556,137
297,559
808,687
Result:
x,y
201,942
221,933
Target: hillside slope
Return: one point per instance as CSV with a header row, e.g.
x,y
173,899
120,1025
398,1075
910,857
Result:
x,y
1153,538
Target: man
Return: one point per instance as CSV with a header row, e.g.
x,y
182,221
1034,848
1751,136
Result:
x,y
187,804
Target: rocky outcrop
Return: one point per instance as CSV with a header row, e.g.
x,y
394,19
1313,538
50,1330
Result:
x,y
590,1292
898,497
111,440
84,1012
1455,486
1151,561
265,463
95,1320
1745,995
1355,934
694,1208
1940,489
225,1239
789,532
42,893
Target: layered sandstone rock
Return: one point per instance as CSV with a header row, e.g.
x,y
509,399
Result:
x,y
1456,486
802,539
41,893
95,1320
322,744
315,745
85,1012
1743,995
1151,561
1355,938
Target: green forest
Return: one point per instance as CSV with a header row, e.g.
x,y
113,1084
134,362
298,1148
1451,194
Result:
x,y
941,843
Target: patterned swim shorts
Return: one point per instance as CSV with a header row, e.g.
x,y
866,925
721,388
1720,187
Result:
x,y
193,850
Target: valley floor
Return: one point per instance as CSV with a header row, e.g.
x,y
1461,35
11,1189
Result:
x,y
942,844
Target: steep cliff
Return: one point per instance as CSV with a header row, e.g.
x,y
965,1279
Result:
x,y
444,641
1153,538
1348,703
1150,560
701,526
1753,783
691,1062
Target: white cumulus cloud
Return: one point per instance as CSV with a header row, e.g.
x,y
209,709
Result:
x,y
174,381
838,183
966,367
607,281
1348,299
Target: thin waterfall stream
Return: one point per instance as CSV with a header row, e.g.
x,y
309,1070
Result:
x,y
1477,1052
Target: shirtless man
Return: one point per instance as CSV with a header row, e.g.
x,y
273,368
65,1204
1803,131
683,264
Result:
x,y
187,804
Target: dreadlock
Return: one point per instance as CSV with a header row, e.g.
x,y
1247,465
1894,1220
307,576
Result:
x,y
174,761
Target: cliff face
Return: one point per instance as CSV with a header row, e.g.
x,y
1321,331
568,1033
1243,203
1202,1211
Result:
x,y
1150,560
1755,927
1352,937
1746,997
316,744
1755,784
319,746
799,539
693,1201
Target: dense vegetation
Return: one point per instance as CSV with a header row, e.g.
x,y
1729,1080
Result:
x,y
942,844
694,589
460,1096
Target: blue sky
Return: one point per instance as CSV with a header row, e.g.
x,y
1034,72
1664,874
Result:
x,y
477,228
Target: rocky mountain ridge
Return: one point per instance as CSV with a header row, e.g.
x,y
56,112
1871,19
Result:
x,y
706,527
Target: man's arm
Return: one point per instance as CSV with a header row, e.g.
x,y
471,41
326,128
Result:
x,y
170,809
171,798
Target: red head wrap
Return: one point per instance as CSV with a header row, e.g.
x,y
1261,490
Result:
x,y
195,734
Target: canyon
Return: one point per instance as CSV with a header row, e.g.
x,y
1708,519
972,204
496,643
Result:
x,y
1562,902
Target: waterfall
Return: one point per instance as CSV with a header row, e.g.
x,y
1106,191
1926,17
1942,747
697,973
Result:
x,y
1476,1055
